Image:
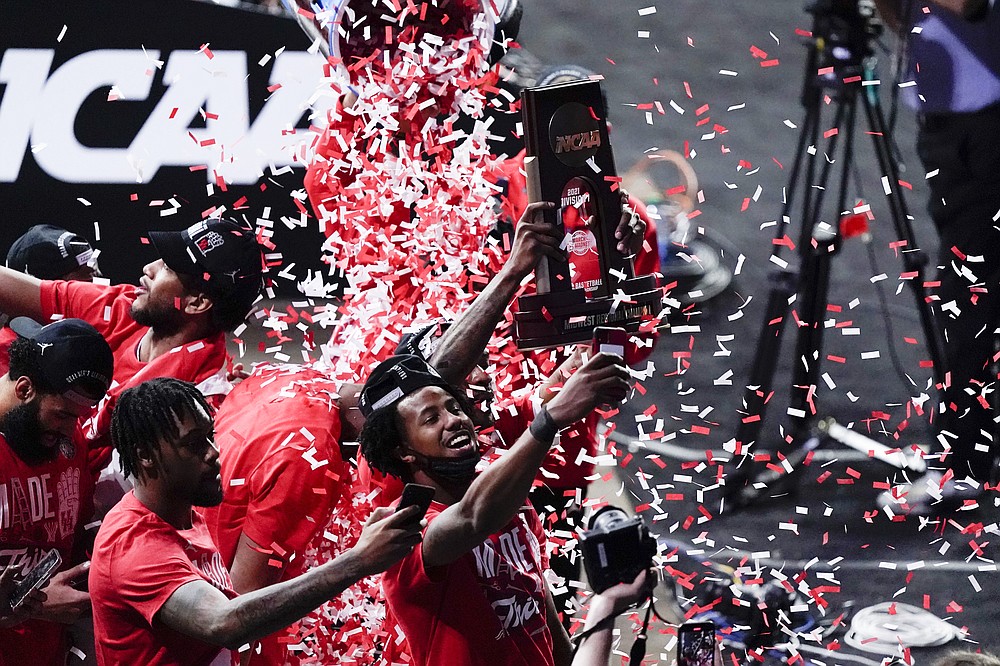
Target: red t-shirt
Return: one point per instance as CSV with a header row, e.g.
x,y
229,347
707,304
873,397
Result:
x,y
41,507
485,608
278,435
139,562
202,362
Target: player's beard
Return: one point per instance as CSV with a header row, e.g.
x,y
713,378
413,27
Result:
x,y
164,319
22,427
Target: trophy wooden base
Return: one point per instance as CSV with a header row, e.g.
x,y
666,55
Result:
x,y
567,317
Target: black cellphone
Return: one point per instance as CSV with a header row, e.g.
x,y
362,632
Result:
x,y
696,644
611,340
36,578
415,494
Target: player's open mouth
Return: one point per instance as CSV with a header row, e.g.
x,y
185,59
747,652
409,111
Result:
x,y
460,441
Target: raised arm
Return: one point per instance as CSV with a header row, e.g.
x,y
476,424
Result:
x,y
497,494
199,610
595,650
20,294
463,343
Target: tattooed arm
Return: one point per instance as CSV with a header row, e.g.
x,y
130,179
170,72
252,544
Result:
x,y
463,343
199,610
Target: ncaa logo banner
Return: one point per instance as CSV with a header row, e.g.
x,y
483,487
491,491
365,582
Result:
x,y
122,116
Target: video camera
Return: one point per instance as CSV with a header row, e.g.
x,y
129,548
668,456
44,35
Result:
x,y
844,32
615,548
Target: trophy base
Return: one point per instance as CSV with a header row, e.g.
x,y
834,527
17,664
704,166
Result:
x,y
567,317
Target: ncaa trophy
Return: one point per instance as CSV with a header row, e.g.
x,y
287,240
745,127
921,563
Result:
x,y
569,161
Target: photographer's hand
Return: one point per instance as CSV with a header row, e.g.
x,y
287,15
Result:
x,y
64,603
596,647
618,598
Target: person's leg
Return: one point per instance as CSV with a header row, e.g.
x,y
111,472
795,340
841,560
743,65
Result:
x,y
963,153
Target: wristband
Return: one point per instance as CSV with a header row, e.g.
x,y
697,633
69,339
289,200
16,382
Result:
x,y
543,427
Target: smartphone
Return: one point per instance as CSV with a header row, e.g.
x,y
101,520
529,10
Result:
x,y
696,644
415,494
36,578
610,340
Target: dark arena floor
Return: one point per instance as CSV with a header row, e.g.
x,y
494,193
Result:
x,y
721,80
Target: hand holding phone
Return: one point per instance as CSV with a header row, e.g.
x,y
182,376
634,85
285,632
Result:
x,y
610,340
415,494
36,578
696,644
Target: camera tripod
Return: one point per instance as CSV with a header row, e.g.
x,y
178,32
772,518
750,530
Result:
x,y
818,243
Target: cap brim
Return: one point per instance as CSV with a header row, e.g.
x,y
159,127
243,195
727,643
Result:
x,y
26,327
172,248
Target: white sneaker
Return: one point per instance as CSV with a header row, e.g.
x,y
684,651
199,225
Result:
x,y
929,496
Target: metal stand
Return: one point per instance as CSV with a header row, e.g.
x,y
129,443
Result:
x,y
818,243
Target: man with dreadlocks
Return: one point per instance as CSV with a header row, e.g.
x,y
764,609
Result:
x,y
162,594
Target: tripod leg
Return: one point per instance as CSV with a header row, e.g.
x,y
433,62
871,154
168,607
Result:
x,y
783,284
758,390
817,245
915,260
749,485
817,254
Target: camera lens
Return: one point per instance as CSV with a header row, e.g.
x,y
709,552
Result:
x,y
606,519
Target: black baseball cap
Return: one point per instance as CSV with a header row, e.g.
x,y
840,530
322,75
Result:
x,y
49,252
74,358
223,254
395,378
424,341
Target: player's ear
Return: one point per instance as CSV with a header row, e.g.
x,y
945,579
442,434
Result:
x,y
148,465
24,389
198,303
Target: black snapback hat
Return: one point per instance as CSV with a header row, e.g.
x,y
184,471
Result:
x,y
424,341
395,378
48,252
223,254
74,358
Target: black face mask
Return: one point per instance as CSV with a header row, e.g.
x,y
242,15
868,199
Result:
x,y
450,469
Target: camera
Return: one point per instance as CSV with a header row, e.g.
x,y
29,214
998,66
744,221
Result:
x,y
844,32
615,548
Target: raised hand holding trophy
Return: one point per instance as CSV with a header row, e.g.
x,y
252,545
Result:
x,y
570,162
